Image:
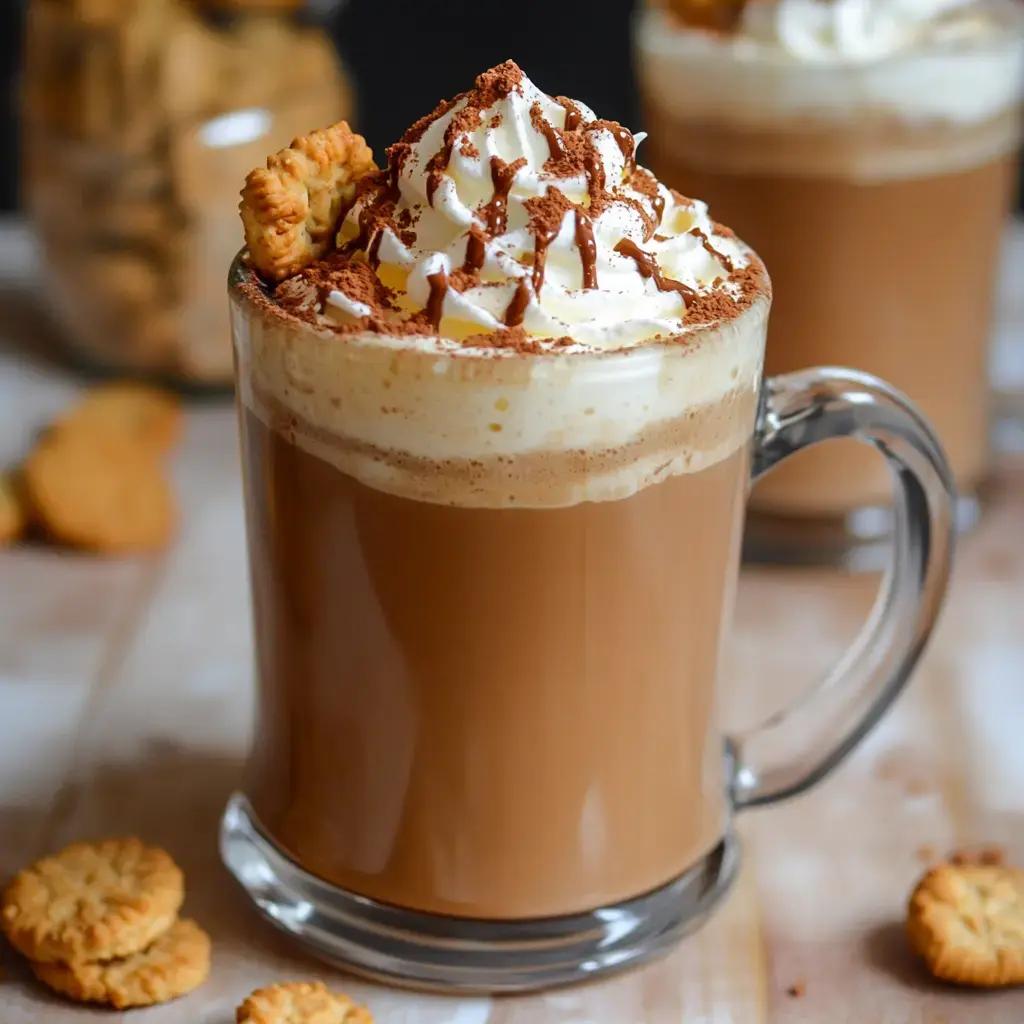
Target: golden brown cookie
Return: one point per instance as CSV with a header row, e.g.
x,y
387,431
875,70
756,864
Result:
x,y
176,963
720,15
92,901
967,922
13,516
144,413
290,210
93,488
301,1002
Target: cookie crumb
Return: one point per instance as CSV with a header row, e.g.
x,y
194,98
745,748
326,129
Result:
x,y
797,991
984,856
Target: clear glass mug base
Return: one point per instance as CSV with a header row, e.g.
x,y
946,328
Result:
x,y
858,541
453,955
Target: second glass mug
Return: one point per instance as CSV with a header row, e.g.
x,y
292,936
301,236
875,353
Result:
x,y
487,755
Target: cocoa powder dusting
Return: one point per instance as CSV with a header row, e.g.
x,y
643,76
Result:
x,y
518,340
357,280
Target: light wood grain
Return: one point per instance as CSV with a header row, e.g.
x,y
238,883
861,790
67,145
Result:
x,y
126,701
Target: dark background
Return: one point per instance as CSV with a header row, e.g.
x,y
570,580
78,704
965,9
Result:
x,y
407,54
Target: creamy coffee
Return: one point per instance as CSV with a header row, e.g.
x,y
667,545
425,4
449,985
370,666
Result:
x,y
496,456
871,164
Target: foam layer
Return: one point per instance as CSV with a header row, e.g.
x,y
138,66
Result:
x,y
500,428
963,78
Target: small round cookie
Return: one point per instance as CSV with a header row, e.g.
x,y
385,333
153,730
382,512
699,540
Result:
x,y
13,517
290,209
967,922
92,901
301,1002
144,413
176,963
93,488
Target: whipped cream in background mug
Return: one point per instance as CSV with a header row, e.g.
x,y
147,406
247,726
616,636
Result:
x,y
858,30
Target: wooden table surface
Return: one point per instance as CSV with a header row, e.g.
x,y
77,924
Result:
x,y
125,704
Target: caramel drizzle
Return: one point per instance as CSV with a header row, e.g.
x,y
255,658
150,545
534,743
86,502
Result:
x,y
588,249
711,250
516,310
648,267
435,303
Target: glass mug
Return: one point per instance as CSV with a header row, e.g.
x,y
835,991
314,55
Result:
x,y
486,754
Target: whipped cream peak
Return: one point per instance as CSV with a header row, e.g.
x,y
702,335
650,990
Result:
x,y
507,209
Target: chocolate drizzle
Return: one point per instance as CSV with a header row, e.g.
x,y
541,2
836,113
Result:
x,y
556,147
658,202
476,251
435,303
712,251
588,249
436,167
502,176
541,241
373,253
517,307
648,267
573,117
593,167
627,145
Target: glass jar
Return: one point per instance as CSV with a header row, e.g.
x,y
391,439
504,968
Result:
x,y
141,119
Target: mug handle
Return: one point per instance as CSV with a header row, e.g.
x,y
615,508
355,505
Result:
x,y
801,745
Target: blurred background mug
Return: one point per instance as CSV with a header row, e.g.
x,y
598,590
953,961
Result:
x,y
876,186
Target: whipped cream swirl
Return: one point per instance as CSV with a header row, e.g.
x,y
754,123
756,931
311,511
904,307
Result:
x,y
509,208
859,31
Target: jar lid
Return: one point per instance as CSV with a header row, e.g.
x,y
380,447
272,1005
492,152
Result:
x,y
314,11
311,6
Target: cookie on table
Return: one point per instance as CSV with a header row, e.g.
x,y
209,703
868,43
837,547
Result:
x,y
95,488
173,965
290,209
92,901
13,516
146,414
967,922
300,1002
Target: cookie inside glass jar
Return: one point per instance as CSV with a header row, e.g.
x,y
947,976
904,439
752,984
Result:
x,y
140,118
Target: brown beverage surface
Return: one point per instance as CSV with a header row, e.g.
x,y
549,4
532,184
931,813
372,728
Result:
x,y
475,711
881,276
